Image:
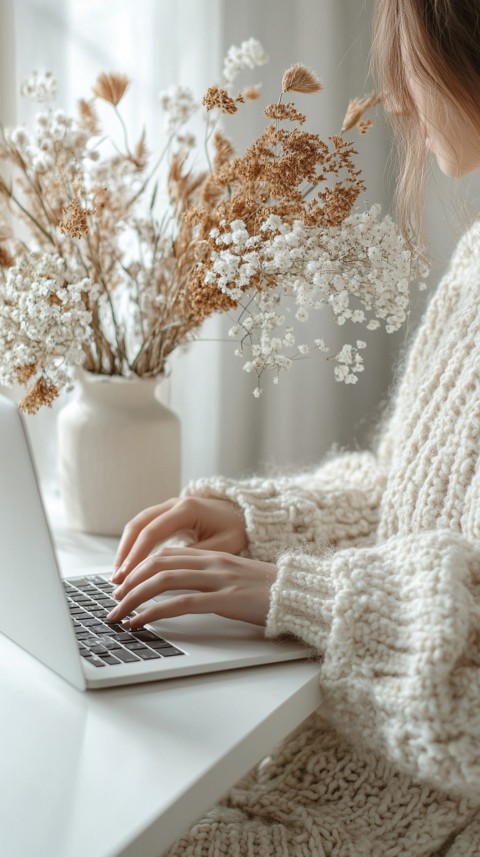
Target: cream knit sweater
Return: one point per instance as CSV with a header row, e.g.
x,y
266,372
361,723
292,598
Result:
x,y
378,558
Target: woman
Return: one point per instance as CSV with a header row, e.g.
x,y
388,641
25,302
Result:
x,y
374,558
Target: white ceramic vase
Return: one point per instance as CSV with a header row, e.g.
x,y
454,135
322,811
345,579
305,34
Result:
x,y
119,452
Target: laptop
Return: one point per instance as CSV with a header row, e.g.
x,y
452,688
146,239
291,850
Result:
x,y
62,621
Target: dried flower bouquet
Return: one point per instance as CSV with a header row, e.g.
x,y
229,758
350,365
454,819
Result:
x,y
106,282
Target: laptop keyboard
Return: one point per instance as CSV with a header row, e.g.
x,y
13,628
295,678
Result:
x,y
100,643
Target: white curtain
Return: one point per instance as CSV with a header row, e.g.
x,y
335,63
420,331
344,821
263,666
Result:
x,y
7,63
159,42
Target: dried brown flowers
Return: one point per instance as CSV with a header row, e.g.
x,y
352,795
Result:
x,y
285,111
251,93
113,284
75,219
88,116
219,98
42,394
357,108
6,260
110,87
298,78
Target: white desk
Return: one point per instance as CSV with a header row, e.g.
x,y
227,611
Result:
x,y
122,772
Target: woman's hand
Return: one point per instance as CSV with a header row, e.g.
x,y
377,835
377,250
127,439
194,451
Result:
x,y
210,524
220,583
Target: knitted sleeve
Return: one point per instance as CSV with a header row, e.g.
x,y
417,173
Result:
x,y
335,505
397,626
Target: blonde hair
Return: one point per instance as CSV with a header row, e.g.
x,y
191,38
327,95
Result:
x,y
441,39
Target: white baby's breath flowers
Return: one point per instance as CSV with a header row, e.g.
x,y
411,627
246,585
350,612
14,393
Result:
x,y
39,87
246,56
361,271
91,197
179,104
95,200
56,140
349,363
44,322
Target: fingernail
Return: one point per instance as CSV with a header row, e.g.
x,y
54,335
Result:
x,y
118,572
117,593
112,615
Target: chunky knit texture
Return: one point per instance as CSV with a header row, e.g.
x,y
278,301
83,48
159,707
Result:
x,y
378,557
